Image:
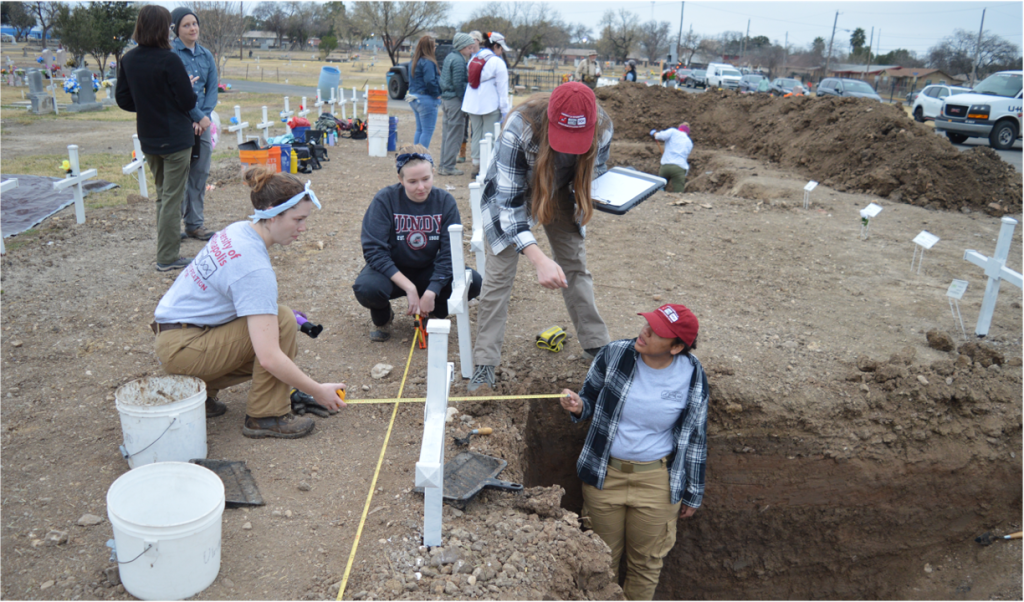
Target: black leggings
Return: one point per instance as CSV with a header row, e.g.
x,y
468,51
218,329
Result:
x,y
375,291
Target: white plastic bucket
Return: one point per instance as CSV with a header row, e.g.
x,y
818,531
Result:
x,y
169,432
167,519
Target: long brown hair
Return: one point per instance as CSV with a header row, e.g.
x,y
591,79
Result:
x,y
543,203
153,27
269,188
424,50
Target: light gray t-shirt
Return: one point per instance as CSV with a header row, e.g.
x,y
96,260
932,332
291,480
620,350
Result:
x,y
230,278
651,409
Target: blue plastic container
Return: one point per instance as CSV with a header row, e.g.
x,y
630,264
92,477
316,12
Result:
x,y
286,157
300,133
330,77
392,134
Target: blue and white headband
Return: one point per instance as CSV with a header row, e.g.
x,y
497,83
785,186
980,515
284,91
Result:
x,y
404,158
285,206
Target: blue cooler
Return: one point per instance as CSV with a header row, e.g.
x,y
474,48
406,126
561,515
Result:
x,y
300,133
286,157
392,134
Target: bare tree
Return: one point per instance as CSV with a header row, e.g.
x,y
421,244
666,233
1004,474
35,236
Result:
x,y
527,27
20,16
305,21
397,22
654,39
689,46
45,13
273,18
222,27
619,34
955,53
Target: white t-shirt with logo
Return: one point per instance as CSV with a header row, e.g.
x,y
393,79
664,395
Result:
x,y
651,409
230,278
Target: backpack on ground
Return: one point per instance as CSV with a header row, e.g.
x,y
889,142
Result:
x,y
357,129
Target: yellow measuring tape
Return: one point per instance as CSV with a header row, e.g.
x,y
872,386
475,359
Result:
x,y
376,473
478,398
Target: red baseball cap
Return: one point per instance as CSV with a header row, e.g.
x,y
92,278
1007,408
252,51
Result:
x,y
671,320
572,118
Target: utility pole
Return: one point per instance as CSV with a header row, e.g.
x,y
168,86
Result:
x,y
679,42
785,55
743,51
871,44
828,60
977,49
241,35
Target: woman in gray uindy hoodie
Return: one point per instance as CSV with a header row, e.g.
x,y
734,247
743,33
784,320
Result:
x,y
406,246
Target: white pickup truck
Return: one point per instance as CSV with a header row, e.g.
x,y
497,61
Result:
x,y
723,76
992,110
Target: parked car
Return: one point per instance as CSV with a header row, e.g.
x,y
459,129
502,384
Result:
x,y
399,76
696,79
783,85
849,88
749,82
723,76
929,103
682,73
912,96
992,110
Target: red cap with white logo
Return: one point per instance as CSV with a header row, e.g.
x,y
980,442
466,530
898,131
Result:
x,y
671,320
572,118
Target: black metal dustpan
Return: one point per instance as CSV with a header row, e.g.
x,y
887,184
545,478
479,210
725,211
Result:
x,y
239,486
469,472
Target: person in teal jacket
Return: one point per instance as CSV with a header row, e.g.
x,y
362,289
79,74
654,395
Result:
x,y
454,78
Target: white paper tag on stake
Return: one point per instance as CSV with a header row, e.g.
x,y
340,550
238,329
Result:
x,y
871,210
811,186
926,239
956,289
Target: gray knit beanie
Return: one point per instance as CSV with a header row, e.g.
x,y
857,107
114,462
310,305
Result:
x,y
461,40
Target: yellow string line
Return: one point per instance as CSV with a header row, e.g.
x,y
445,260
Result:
x,y
376,473
480,398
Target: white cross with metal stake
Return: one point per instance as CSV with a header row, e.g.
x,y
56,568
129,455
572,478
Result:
x,y
238,127
458,303
74,181
286,115
430,468
265,125
996,270
138,165
924,240
4,187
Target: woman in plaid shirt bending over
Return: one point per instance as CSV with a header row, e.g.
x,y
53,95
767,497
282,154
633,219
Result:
x,y
550,150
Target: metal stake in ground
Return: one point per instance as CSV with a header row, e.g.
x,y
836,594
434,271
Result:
x,y
138,165
996,270
4,187
954,293
924,240
866,215
811,185
430,467
74,181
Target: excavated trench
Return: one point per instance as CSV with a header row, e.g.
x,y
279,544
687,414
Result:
x,y
782,518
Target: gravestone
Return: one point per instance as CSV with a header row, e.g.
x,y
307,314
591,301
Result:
x,y
42,102
61,58
48,59
86,100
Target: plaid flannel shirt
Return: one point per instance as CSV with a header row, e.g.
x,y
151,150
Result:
x,y
505,203
604,390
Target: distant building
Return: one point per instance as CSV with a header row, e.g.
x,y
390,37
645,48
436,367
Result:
x,y
261,39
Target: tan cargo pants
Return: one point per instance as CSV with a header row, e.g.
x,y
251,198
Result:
x,y
633,513
223,356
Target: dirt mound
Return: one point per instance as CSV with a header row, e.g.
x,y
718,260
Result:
x,y
849,144
226,171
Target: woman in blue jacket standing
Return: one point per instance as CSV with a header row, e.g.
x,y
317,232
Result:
x,y
425,88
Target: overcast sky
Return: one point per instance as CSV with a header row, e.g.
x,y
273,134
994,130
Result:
x,y
914,25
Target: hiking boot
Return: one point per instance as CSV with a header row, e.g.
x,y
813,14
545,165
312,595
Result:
x,y
200,233
462,154
288,426
450,172
590,354
215,408
182,262
482,375
379,334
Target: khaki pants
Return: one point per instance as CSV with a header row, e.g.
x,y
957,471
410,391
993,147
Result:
x,y
223,356
633,513
569,251
453,132
170,175
482,124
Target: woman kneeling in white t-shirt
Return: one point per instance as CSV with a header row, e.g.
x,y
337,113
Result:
x,y
221,322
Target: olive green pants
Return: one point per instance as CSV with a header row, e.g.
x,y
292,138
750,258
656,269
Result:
x,y
633,512
675,175
170,175
223,356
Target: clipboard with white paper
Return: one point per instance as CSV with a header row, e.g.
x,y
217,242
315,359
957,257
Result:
x,y
620,189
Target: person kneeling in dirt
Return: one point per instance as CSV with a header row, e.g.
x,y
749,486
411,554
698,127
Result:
x,y
643,464
221,322
406,246
674,165
796,91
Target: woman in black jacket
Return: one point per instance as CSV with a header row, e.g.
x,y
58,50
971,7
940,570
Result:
x,y
153,84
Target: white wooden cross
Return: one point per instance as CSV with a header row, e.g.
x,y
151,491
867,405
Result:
x,y
138,165
286,114
4,187
366,99
497,134
319,104
74,181
476,240
485,156
265,125
458,303
925,240
238,127
996,270
430,467
331,102
303,108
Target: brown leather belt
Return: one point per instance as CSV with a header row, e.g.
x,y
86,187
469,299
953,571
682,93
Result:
x,y
632,467
158,328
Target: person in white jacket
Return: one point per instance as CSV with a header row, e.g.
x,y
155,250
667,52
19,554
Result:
x,y
486,103
674,165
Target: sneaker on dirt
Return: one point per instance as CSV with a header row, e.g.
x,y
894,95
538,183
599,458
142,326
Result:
x,y
482,375
379,334
182,262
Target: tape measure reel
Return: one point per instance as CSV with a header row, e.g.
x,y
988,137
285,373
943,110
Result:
x,y
552,339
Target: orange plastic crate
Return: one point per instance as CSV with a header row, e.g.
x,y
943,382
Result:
x,y
376,94
261,157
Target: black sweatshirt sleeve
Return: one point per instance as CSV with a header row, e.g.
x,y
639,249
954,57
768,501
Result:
x,y
122,93
376,236
443,262
182,93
